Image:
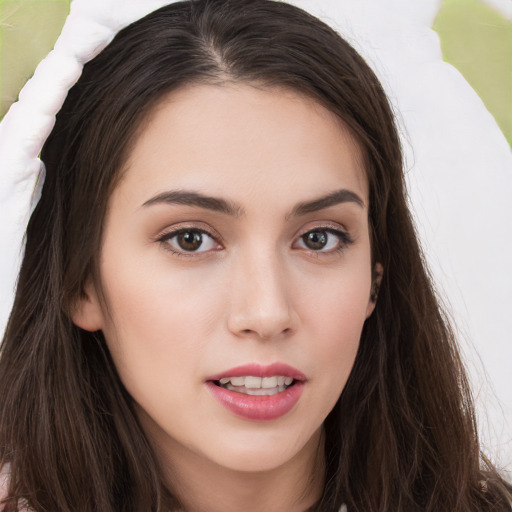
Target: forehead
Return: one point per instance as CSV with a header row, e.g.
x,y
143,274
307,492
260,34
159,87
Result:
x,y
238,138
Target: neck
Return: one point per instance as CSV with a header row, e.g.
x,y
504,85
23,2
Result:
x,y
204,486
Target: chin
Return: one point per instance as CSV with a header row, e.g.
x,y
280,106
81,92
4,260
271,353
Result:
x,y
265,451
252,462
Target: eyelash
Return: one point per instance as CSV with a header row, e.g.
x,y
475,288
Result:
x,y
345,240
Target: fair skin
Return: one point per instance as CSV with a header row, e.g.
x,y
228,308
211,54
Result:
x,y
267,276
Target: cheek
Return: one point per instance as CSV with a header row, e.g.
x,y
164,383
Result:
x,y
336,315
337,343
152,324
155,299
336,303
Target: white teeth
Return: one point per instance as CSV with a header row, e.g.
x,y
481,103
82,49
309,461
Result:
x,y
256,392
257,383
268,382
251,382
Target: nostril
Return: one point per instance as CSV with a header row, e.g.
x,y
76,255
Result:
x,y
264,334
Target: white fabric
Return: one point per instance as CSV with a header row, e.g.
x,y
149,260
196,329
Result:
x,y
459,172
90,26
459,165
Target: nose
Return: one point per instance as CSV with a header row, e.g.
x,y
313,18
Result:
x,y
261,304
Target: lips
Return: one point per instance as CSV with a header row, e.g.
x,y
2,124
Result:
x,y
256,392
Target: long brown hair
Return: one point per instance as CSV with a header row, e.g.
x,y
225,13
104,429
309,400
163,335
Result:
x,y
402,436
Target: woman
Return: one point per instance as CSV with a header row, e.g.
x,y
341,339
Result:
x,y
222,303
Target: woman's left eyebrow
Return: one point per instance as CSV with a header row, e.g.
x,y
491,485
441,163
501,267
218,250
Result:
x,y
337,197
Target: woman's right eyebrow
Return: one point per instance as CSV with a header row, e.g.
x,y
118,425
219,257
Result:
x,y
196,199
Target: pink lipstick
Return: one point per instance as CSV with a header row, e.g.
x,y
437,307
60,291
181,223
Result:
x,y
258,392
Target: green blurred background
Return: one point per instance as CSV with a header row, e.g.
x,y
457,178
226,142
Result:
x,y
475,38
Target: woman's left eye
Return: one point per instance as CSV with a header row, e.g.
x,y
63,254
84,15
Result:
x,y
323,240
189,240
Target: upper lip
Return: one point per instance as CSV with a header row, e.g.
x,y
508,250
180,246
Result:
x,y
260,370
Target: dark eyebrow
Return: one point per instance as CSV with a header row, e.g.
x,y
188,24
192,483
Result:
x,y
337,197
196,199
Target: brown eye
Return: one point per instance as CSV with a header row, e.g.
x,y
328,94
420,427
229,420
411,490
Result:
x,y
324,240
189,241
315,240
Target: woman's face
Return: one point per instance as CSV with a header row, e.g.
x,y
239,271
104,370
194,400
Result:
x,y
235,260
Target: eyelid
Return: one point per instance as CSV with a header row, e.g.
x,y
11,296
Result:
x,y
322,226
200,226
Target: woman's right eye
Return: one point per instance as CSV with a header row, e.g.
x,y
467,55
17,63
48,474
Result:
x,y
189,240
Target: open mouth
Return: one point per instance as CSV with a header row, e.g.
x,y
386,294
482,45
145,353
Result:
x,y
258,392
256,386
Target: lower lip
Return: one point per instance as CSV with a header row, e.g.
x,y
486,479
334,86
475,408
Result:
x,y
257,408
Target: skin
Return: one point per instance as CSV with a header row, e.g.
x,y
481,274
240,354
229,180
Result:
x,y
254,292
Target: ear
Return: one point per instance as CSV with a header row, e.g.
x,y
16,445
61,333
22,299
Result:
x,y
87,312
377,273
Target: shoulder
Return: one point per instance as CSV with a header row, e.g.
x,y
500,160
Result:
x,y
4,483
5,475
